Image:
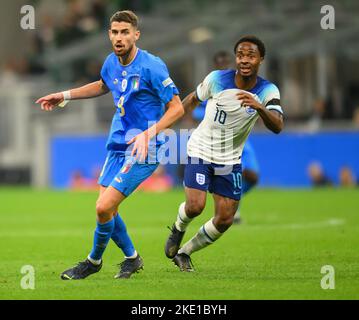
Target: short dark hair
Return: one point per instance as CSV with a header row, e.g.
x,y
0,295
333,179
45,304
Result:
x,y
254,40
125,16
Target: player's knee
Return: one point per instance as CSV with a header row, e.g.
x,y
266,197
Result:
x,y
194,207
102,210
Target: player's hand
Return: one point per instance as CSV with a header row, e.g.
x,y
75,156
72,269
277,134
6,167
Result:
x,y
50,101
140,147
249,100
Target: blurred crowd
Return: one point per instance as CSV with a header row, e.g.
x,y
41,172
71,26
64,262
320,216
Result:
x,y
79,20
59,24
319,178
323,110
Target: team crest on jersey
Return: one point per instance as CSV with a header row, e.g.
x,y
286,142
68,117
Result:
x,y
250,110
200,178
136,83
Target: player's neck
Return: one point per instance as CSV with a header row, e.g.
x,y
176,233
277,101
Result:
x,y
245,83
128,57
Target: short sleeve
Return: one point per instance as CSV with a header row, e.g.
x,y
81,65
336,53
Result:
x,y
272,98
204,89
104,74
161,82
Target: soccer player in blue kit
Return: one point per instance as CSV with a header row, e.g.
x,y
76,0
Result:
x,y
236,99
223,60
141,89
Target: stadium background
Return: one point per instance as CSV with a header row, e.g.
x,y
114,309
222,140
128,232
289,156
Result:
x,y
316,70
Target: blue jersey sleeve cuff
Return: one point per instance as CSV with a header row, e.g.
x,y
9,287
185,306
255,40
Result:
x,y
103,80
166,97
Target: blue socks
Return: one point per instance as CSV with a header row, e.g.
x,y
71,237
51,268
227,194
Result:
x,y
114,229
121,237
102,236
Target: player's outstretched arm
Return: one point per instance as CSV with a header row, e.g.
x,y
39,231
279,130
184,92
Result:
x,y
90,90
190,102
174,112
273,120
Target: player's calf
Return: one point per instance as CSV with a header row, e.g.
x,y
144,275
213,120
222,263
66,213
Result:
x,y
194,207
177,232
223,223
205,236
212,230
225,209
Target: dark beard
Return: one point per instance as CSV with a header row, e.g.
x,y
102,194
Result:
x,y
125,56
248,78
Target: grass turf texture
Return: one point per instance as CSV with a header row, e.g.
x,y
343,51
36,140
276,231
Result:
x,y
277,253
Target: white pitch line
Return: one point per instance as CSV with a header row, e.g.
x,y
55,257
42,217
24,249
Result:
x,y
320,224
76,233
334,222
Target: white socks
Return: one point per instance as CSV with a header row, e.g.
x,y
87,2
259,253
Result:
x,y
93,261
182,219
133,256
206,235
98,262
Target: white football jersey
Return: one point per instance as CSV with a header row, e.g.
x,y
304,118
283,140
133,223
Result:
x,y
221,135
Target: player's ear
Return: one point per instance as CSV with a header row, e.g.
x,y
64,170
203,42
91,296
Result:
x,y
109,33
137,34
261,60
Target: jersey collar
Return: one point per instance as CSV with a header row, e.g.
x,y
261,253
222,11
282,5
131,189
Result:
x,y
134,58
253,90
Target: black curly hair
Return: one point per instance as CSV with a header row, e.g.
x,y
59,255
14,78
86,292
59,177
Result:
x,y
254,40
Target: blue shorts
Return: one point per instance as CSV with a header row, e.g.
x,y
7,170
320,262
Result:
x,y
223,180
123,173
249,158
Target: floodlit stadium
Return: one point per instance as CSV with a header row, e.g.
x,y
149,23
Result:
x,y
295,233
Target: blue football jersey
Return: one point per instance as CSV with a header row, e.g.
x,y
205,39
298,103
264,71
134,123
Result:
x,y
140,91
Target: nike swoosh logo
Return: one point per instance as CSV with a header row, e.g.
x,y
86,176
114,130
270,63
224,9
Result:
x,y
220,105
235,192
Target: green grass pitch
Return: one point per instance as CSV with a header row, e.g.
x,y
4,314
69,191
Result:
x,y
277,253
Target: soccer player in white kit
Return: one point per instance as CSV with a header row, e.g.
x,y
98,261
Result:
x,y
236,99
